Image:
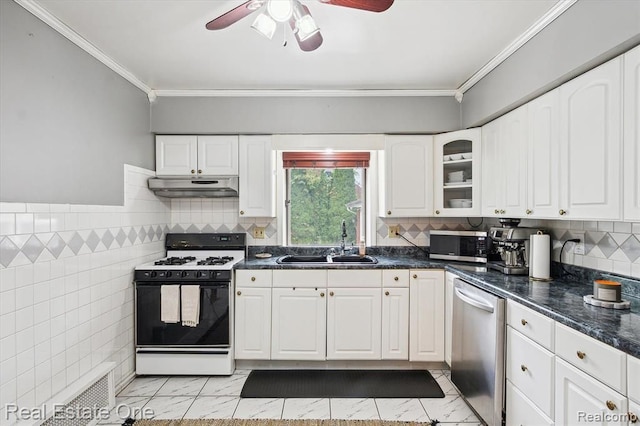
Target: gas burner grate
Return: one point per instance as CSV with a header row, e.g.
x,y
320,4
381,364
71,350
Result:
x,y
215,260
175,260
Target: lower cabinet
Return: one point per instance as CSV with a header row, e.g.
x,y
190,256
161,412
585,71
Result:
x,y
521,411
426,315
252,323
298,322
448,315
395,323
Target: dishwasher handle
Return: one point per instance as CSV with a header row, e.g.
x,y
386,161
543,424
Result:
x,y
478,303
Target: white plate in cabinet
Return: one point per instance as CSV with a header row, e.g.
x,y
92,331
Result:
x,y
633,372
395,277
354,278
252,325
521,411
535,326
530,368
395,323
597,359
253,278
579,395
300,278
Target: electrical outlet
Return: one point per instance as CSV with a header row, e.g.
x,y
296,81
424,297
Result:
x,y
394,230
578,248
258,233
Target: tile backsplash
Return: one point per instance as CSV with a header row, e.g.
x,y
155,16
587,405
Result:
x,y
65,288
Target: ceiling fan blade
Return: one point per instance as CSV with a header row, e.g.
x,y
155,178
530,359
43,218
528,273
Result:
x,y
310,44
370,5
234,15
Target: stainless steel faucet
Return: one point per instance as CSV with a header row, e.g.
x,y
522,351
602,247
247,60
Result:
x,y
344,235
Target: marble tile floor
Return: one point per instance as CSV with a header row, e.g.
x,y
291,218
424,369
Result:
x,y
218,397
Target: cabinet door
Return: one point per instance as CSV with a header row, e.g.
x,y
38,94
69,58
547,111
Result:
x,y
457,173
448,315
520,411
407,181
176,155
256,177
395,323
632,135
544,155
591,144
218,155
491,184
578,396
298,324
354,323
426,316
252,323
513,162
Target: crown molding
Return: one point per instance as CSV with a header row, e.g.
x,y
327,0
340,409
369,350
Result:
x,y
44,15
303,93
557,10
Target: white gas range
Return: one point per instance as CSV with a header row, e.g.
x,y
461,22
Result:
x,y
200,263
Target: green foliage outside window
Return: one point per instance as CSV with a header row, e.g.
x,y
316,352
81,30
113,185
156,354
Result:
x,y
320,199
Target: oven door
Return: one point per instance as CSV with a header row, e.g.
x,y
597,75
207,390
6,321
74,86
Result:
x,y
212,330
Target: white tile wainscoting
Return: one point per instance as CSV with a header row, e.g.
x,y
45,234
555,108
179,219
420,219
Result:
x,y
66,294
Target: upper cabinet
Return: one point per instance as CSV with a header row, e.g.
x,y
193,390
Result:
x,y
407,176
257,177
457,173
190,155
504,156
632,135
591,144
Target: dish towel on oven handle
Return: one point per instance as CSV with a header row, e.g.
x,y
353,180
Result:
x,y
170,303
190,305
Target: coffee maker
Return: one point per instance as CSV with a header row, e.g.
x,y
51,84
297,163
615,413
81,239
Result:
x,y
510,247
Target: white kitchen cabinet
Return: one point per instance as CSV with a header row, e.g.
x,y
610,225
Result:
x,y
578,395
426,315
190,155
543,124
257,176
521,411
591,144
448,315
252,324
456,188
406,176
354,319
299,321
632,135
504,159
633,380
395,323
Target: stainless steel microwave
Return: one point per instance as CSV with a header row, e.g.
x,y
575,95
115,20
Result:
x,y
467,246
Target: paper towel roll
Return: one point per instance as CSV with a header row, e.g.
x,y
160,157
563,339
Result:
x,y
540,257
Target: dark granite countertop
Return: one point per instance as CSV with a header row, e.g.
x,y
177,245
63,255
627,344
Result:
x,y
560,299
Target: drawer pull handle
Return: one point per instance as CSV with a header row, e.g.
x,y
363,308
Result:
x,y
529,211
239,293
389,212
386,293
523,321
253,278
581,354
396,278
523,367
321,294
331,293
562,212
415,276
611,405
633,417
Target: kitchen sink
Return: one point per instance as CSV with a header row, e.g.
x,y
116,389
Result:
x,y
293,259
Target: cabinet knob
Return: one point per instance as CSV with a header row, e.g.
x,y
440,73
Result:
x,y
330,293
581,354
496,211
388,211
386,293
321,294
241,211
611,405
529,211
396,278
415,276
562,212
238,292
200,171
633,417
502,211
192,171
523,367
523,321
437,211
253,278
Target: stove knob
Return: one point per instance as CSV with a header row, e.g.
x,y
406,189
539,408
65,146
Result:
x,y
169,273
184,274
200,274
154,274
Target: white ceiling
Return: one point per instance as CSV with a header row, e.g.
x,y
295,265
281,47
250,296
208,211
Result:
x,y
415,45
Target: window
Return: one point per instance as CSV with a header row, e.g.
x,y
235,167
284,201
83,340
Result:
x,y
323,190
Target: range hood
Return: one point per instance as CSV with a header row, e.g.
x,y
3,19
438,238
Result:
x,y
187,187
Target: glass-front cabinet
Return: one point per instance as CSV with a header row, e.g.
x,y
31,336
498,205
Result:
x,y
457,173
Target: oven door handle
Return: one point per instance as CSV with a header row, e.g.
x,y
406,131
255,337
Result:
x,y
478,303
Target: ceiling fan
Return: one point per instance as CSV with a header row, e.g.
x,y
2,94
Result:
x,y
304,28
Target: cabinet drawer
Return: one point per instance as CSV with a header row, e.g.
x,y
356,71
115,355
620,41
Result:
x,y
354,278
535,326
253,278
530,369
300,278
395,278
521,411
633,391
634,412
601,361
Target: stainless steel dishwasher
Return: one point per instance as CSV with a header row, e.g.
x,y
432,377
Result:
x,y
477,355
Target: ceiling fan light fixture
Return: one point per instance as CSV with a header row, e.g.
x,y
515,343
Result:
x,y
306,27
280,10
265,25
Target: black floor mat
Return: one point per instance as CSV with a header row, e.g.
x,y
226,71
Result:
x,y
341,384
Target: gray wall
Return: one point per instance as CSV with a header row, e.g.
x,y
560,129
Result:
x,y
589,33
69,123
305,115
